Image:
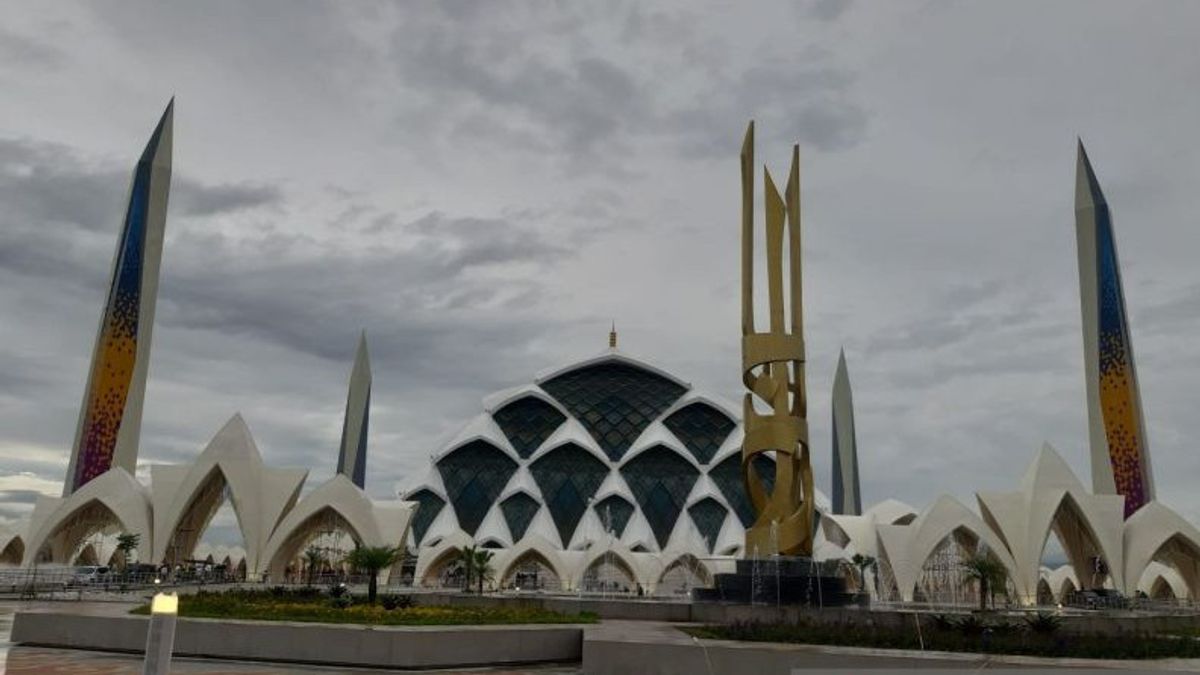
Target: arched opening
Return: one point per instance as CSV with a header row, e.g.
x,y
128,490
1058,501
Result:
x,y
1078,544
1161,589
682,575
1183,555
88,524
609,573
241,570
1045,596
905,519
13,553
531,571
87,555
117,559
444,571
209,508
1066,589
944,579
315,550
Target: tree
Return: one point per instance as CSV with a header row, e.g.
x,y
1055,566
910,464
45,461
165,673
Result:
x,y
313,556
466,563
863,563
127,542
989,573
482,564
372,559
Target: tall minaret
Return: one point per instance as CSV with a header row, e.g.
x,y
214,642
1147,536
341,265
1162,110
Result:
x,y
110,417
352,458
1116,428
847,500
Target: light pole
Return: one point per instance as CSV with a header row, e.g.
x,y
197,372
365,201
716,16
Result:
x,y
160,638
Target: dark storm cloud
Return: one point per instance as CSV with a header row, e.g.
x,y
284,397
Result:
x,y
585,103
484,186
62,212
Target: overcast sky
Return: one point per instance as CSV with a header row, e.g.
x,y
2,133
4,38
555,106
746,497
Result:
x,y
483,187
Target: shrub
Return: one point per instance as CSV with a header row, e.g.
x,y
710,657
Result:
x,y
944,622
1043,623
340,601
338,590
391,602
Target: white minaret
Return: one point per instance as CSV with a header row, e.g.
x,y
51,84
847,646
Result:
x,y
847,499
352,458
1116,428
110,417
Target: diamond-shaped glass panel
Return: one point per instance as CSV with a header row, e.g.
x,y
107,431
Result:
x,y
728,477
568,476
615,402
474,475
709,516
430,506
519,511
660,480
528,422
701,427
614,511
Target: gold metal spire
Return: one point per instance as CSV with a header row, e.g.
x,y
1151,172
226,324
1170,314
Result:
x,y
773,371
612,336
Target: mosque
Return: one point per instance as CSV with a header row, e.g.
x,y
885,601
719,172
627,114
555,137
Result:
x,y
605,475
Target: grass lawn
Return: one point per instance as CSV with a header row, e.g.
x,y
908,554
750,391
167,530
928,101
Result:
x,y
312,605
997,636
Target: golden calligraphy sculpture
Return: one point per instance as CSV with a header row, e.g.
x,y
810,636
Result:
x,y
773,371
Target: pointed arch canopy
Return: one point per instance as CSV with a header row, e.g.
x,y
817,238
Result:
x,y
185,498
112,501
370,523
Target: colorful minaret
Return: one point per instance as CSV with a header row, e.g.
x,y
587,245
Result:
x,y
1117,430
847,500
352,458
110,418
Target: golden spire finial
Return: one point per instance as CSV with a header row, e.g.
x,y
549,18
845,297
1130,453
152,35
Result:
x,y
612,336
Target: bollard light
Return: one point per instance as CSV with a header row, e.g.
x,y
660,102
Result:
x,y
160,637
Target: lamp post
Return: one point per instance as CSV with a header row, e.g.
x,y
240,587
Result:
x,y
160,638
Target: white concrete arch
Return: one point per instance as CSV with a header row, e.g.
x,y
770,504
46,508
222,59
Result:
x,y
687,561
617,556
536,547
369,523
1051,498
113,501
1155,533
12,548
185,498
1062,581
494,402
431,557
720,404
610,355
1162,582
906,547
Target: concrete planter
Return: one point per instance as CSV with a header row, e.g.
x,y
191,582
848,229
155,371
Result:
x,y
315,643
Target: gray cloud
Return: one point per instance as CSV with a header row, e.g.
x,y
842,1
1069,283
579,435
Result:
x,y
484,187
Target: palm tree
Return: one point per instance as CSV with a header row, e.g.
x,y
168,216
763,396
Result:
x,y
989,573
863,563
482,563
126,544
372,559
313,556
466,562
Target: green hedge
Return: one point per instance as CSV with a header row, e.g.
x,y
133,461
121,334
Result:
x,y
314,606
1031,638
